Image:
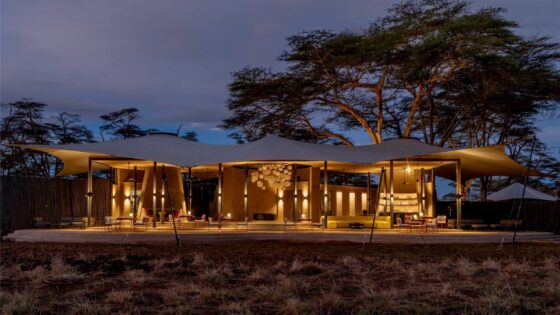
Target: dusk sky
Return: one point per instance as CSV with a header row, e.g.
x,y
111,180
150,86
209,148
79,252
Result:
x,y
174,59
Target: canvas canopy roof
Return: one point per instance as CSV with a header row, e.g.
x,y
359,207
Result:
x,y
169,149
515,191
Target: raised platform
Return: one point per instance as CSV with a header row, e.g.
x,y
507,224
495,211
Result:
x,y
98,235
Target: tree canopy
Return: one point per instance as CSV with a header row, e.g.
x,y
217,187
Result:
x,y
432,69
25,123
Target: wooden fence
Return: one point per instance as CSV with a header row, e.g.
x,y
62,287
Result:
x,y
22,198
536,215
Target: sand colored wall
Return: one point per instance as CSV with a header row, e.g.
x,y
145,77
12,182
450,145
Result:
x,y
340,199
122,206
270,200
280,203
233,192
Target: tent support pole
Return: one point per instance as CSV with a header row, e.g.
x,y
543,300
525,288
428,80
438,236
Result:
x,y
154,197
391,192
525,181
325,192
89,192
458,192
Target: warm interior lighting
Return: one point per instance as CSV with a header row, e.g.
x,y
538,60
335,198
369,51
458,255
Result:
x,y
188,213
229,215
303,215
414,216
408,169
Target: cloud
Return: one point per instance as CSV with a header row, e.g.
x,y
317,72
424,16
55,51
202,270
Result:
x,y
172,59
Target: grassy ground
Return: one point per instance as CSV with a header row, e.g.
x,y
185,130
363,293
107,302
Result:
x,y
279,277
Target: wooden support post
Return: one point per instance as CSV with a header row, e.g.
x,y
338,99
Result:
x,y
325,192
459,192
246,193
220,179
309,196
368,193
391,192
154,199
423,193
190,191
385,190
134,195
89,192
294,206
162,215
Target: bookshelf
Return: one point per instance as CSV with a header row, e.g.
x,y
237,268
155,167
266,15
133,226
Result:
x,y
403,202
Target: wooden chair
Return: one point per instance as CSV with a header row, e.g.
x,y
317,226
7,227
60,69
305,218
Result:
x,y
109,223
141,223
431,223
441,221
400,224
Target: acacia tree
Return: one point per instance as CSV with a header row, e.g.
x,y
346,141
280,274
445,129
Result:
x,y
121,124
432,69
390,80
24,123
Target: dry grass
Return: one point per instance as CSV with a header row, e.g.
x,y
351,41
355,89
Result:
x,y
272,277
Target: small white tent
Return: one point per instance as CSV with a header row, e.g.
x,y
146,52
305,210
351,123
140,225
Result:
x,y
515,191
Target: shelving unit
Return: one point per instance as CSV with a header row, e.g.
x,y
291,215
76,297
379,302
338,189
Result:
x,y
403,202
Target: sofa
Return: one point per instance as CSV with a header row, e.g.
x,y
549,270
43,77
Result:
x,y
334,222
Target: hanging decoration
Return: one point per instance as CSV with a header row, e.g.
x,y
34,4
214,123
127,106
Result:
x,y
277,176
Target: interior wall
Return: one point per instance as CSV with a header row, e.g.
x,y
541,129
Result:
x,y
315,194
233,192
145,191
270,200
341,203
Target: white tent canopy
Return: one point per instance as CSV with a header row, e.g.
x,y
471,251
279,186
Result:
x,y
172,150
515,191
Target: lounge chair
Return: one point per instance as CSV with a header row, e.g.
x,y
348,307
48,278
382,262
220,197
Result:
x,y
505,224
109,223
40,223
73,222
289,224
475,224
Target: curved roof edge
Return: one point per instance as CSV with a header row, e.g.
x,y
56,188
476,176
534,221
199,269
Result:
x,y
170,149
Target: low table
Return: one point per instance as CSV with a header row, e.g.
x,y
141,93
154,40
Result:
x,y
356,225
121,222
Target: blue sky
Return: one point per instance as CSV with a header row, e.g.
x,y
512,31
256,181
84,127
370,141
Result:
x,y
173,59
